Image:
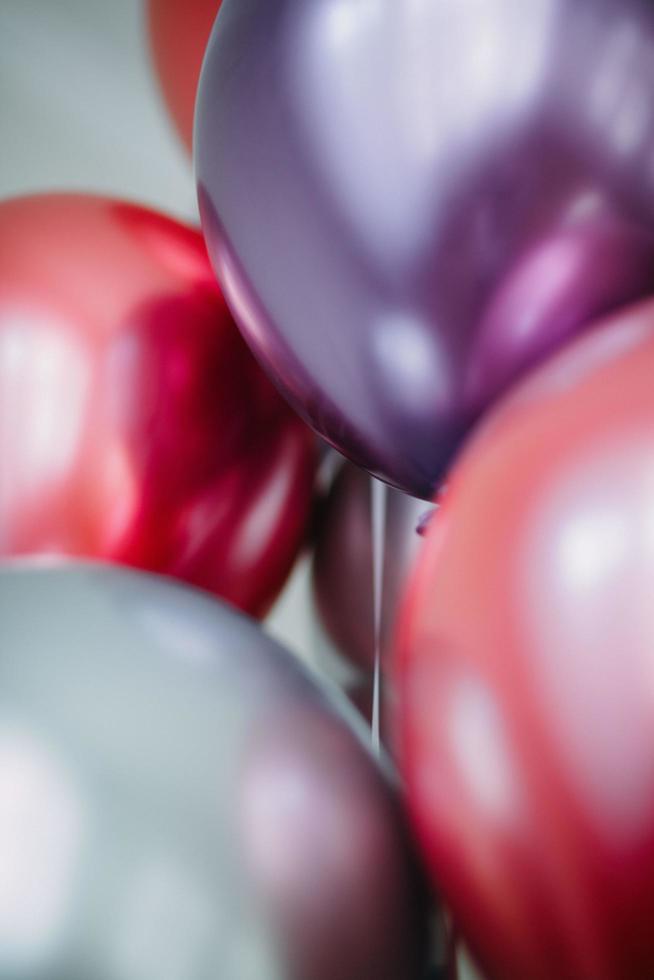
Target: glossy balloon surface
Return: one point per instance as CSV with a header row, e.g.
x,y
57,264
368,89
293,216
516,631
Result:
x,y
178,799
526,665
408,204
135,425
343,563
179,31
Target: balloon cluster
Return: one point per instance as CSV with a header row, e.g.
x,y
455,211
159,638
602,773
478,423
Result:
x,y
434,217
179,798
427,232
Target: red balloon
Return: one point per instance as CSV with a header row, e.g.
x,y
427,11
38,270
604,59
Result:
x,y
527,671
179,31
135,426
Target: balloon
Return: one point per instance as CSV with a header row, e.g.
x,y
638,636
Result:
x,y
343,568
178,37
178,799
135,426
408,204
525,666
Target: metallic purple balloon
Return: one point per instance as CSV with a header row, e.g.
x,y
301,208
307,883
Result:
x,y
408,204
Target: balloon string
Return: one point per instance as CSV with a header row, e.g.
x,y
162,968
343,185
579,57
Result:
x,y
379,492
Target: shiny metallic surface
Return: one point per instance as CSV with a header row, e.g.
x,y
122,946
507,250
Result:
x,y
179,801
135,425
525,671
408,204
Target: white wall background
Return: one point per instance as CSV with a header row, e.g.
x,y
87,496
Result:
x,y
79,105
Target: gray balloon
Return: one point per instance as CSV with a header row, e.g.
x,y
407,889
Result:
x,y
180,801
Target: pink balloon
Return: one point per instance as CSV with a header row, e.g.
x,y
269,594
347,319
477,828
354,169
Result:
x,y
527,671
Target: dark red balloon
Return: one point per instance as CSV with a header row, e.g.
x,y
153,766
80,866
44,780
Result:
x,y
527,671
135,426
343,562
179,31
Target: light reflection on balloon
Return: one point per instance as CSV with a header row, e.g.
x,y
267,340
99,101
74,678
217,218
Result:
x,y
41,831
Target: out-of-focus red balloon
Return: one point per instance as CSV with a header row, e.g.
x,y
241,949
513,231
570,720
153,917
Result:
x,y
179,31
527,671
135,426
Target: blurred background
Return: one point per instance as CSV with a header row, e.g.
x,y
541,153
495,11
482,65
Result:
x,y
80,105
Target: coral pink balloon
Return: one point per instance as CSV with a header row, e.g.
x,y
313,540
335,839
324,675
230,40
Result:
x,y
135,426
179,31
527,671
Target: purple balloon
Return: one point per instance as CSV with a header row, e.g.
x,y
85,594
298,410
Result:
x,y
409,204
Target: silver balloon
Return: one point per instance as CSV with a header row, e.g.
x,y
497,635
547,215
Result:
x,y
179,801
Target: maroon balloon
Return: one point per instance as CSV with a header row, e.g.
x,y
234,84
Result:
x,y
135,425
527,671
410,203
343,563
